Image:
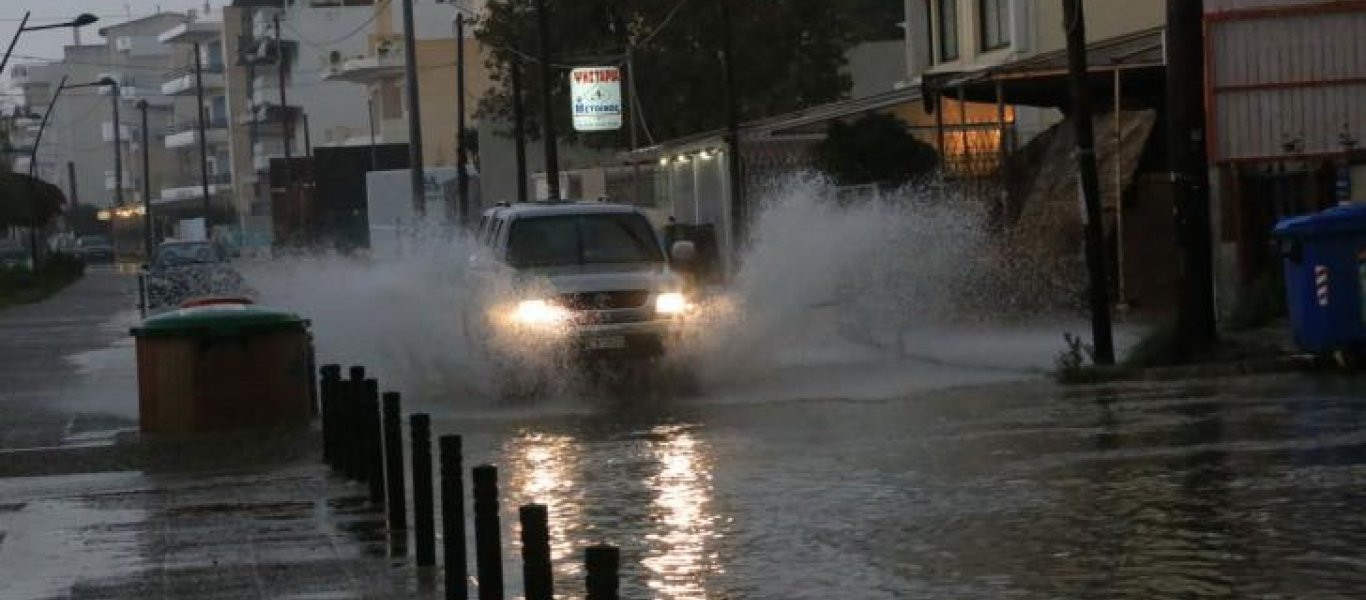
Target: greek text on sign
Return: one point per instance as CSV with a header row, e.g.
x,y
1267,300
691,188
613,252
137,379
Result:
x,y
596,95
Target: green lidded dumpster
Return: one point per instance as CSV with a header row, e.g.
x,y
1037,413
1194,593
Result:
x,y
223,368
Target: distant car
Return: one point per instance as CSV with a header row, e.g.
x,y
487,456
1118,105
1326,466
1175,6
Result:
x,y
12,253
95,249
183,270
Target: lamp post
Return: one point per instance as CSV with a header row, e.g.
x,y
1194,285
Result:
x,y
80,21
148,239
38,138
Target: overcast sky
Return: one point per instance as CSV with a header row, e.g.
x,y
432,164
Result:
x,y
48,44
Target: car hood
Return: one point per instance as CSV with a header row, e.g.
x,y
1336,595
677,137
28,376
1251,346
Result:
x,y
602,278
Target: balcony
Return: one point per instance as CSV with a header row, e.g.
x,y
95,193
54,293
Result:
x,y
365,69
110,182
185,133
192,32
188,188
181,82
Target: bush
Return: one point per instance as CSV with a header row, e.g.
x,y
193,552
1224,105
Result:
x,y
21,285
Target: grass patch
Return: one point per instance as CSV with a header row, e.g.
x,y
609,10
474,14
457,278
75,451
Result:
x,y
23,286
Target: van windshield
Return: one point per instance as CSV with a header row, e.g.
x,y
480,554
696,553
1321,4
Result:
x,y
564,240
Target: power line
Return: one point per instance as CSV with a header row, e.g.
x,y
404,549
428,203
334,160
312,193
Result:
x,y
326,45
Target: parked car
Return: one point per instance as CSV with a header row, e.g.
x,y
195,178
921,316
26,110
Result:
x,y
183,270
94,249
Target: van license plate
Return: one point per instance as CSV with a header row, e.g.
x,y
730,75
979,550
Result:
x,y
611,342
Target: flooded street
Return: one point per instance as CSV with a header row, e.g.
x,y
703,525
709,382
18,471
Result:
x,y
1221,489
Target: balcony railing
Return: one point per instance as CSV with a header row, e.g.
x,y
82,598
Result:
x,y
179,72
192,125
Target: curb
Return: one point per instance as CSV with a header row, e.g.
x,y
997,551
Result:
x,y
1260,366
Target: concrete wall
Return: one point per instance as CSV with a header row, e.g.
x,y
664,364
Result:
x,y
876,67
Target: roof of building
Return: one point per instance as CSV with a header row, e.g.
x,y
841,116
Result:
x,y
104,31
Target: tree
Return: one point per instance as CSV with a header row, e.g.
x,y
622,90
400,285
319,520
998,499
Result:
x,y
876,148
789,55
28,201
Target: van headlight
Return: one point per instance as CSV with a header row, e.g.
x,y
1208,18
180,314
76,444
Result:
x,y
671,303
539,313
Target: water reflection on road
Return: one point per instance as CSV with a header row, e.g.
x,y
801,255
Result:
x,y
1229,489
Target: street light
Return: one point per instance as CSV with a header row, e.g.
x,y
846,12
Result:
x,y
80,21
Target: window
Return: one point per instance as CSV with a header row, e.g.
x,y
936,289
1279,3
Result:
x,y
391,100
556,241
946,28
993,19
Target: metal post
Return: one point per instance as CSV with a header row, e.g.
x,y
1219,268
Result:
x,y
148,236
536,574
308,138
370,114
350,439
416,181
602,563
71,178
453,517
23,24
118,149
488,545
1074,23
374,442
393,463
424,522
286,118
203,139
633,102
330,388
735,164
461,151
38,138
552,154
519,129
1119,190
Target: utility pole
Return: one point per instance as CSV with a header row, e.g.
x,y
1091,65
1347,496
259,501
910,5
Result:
x,y
519,128
461,151
71,180
203,139
552,155
118,143
1074,24
370,114
418,185
286,118
733,167
1189,164
148,236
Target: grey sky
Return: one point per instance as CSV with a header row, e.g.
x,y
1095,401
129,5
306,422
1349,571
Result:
x,y
48,44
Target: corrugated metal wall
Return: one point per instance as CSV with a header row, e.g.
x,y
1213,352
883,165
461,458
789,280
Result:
x,y
1278,77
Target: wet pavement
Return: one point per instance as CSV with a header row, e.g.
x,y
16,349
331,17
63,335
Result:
x,y
1233,488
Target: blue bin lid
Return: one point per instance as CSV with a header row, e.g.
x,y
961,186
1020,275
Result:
x,y
1348,218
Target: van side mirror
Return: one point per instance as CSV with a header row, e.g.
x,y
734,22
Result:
x,y
683,253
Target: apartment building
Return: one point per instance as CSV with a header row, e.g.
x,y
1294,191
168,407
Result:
x,y
77,148
381,65
198,163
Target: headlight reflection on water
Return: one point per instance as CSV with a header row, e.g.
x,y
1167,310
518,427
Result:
x,y
681,555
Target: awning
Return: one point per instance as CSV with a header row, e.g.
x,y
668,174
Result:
x,y
1041,80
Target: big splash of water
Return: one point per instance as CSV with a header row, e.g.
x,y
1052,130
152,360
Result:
x,y
824,277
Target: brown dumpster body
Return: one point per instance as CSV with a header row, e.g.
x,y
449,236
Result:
x,y
223,368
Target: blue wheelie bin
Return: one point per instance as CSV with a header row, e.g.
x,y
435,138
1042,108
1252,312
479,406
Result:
x,y
1325,280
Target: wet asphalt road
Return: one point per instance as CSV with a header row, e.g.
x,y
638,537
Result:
x,y
1246,488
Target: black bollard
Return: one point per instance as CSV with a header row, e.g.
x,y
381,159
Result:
x,y
488,550
331,376
536,575
602,563
351,442
424,521
453,517
313,400
374,442
393,463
